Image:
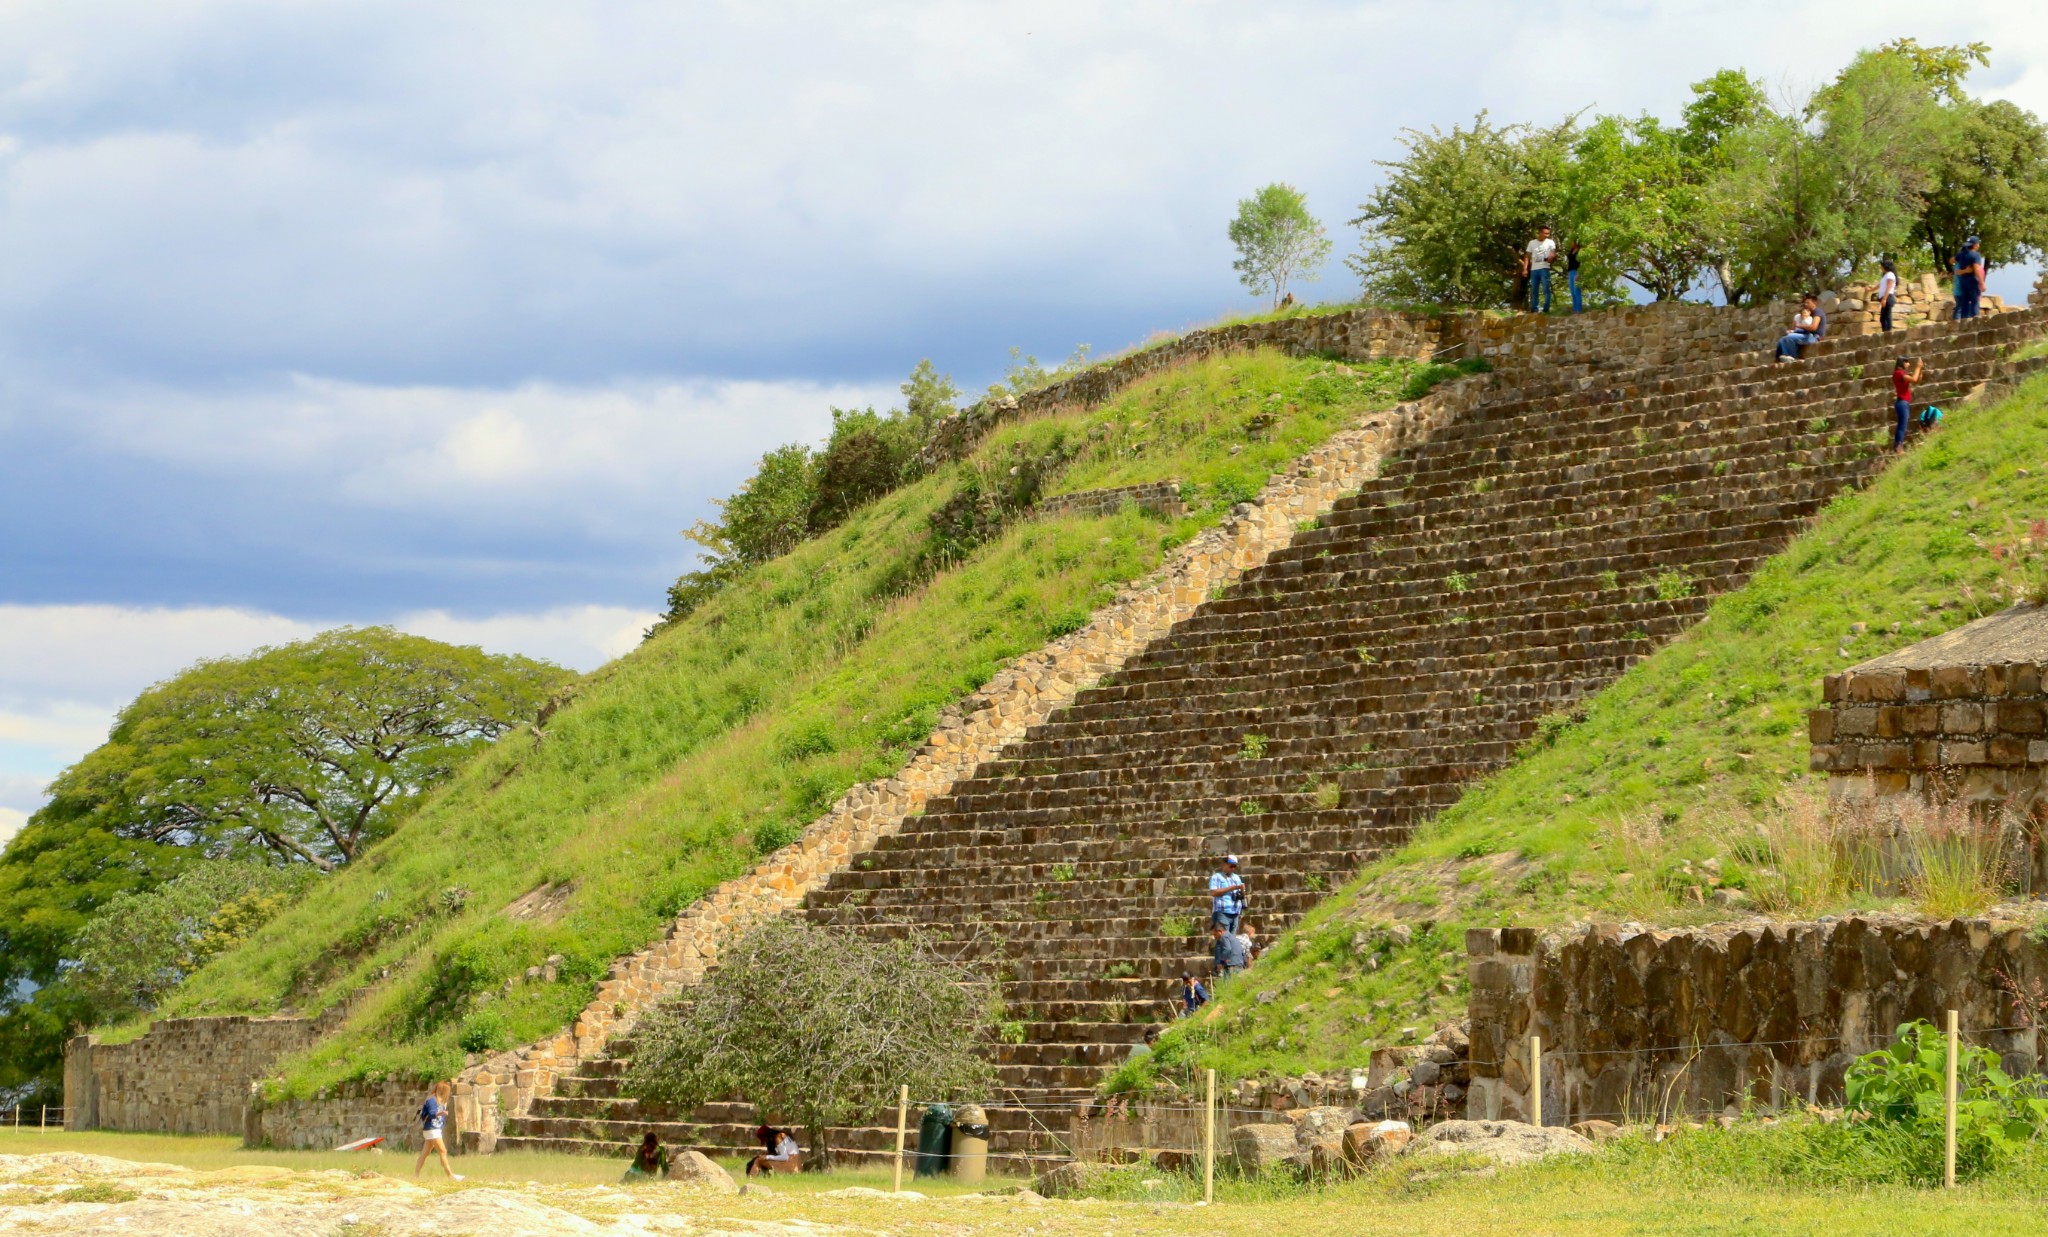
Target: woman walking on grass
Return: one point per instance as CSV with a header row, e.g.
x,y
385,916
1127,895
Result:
x,y
433,1118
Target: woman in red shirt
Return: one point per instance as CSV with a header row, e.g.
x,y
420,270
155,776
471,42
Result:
x,y
1902,402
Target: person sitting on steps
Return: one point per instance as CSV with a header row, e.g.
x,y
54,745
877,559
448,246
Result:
x,y
1808,325
1192,994
1226,894
1226,952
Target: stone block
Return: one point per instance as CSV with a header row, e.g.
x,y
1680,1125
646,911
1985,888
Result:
x,y
2019,717
1962,718
1820,728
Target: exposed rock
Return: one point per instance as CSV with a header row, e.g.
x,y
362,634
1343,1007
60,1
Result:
x,y
1503,1142
1597,1131
1260,1149
700,1171
1370,1142
1319,1123
862,1191
1072,1179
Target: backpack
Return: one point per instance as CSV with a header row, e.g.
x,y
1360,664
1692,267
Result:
x,y
1930,417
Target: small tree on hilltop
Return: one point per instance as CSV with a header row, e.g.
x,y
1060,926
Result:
x,y
820,1025
1277,240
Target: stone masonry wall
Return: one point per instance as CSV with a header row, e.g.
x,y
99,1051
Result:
x,y
340,1115
185,1076
1976,732
1645,1024
1162,497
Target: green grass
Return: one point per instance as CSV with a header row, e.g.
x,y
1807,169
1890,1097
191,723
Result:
x,y
1702,1184
680,764
1610,812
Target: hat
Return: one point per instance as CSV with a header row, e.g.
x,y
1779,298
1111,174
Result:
x,y
1231,860
1973,240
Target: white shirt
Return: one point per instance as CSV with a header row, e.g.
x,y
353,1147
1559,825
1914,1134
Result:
x,y
1540,254
1888,285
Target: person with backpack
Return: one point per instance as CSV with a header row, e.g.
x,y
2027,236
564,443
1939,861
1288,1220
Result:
x,y
433,1117
1887,294
1902,400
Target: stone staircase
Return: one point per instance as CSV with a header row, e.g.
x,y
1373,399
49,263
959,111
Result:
x,y
1515,562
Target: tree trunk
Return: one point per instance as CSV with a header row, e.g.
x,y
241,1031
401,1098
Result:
x,y
821,1152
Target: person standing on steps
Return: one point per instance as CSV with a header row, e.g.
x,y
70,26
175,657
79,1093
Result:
x,y
433,1120
1192,994
1902,400
1226,953
1970,272
1887,295
1536,259
1226,895
1571,277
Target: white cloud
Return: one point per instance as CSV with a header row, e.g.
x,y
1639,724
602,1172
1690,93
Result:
x,y
11,821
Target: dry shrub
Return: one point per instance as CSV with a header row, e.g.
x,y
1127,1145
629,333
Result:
x,y
1811,854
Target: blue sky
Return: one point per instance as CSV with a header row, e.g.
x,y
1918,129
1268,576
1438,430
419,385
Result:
x,y
451,315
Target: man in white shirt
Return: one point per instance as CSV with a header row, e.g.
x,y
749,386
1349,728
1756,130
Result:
x,y
1536,261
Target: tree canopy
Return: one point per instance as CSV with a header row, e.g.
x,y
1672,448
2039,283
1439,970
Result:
x,y
1277,240
818,1025
1742,196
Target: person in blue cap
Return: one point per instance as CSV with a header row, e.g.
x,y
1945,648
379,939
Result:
x,y
1970,272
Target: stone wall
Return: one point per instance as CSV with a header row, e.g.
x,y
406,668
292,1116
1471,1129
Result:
x,y
1647,1024
340,1115
1159,497
1975,732
185,1076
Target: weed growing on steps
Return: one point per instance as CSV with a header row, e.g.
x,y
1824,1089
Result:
x,y
719,739
1560,833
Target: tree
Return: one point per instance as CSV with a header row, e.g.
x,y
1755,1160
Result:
x,y
1634,198
1448,225
1989,179
307,752
143,944
1277,240
820,1025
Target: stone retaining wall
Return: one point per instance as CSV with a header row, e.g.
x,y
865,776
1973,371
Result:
x,y
1641,1024
185,1076
340,1115
1159,497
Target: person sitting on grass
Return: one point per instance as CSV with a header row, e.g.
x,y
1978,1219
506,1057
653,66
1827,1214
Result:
x,y
783,1157
1250,936
433,1117
650,1162
1808,325
1192,994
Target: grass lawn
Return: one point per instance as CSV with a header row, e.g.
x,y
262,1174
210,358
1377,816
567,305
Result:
x,y
1643,1193
1612,813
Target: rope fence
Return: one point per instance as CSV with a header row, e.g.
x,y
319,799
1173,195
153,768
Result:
x,y
40,1117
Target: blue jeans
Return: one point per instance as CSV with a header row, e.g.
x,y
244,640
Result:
x,y
1571,280
1226,918
1966,299
1792,344
1902,413
1539,291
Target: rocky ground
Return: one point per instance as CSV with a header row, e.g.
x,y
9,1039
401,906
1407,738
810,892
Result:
x,y
69,1192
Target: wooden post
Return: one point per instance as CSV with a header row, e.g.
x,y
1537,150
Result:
x,y
1948,1121
902,1117
1209,1141
1535,1080
43,1122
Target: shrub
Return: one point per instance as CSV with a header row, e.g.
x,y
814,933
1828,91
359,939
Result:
x,y
1903,1088
483,1031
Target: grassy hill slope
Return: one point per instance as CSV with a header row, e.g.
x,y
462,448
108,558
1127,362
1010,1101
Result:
x,y
718,740
1615,812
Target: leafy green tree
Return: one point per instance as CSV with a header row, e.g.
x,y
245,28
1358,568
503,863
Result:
x,y
1634,199
143,944
1989,179
820,1025
1448,225
1277,240
929,396
306,752
867,456
1942,67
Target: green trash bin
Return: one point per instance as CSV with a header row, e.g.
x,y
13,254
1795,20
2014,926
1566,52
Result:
x,y
934,1140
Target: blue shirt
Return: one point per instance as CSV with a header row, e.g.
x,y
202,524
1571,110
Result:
x,y
1228,953
1194,996
432,1115
1966,260
1230,903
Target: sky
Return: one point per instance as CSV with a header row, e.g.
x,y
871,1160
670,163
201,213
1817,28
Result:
x,y
451,315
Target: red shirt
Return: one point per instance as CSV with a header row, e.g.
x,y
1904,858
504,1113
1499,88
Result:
x,y
1900,387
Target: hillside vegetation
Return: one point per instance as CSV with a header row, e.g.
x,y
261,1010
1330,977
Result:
x,y
1691,764
720,738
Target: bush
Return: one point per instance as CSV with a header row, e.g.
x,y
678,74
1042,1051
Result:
x,y
483,1031
1902,1089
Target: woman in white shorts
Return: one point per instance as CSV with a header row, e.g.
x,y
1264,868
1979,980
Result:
x,y
433,1118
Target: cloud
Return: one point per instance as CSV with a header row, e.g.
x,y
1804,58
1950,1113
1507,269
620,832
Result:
x,y
11,821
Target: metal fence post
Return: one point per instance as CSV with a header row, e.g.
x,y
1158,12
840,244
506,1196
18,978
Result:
x,y
1209,1141
1948,1121
1535,1080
